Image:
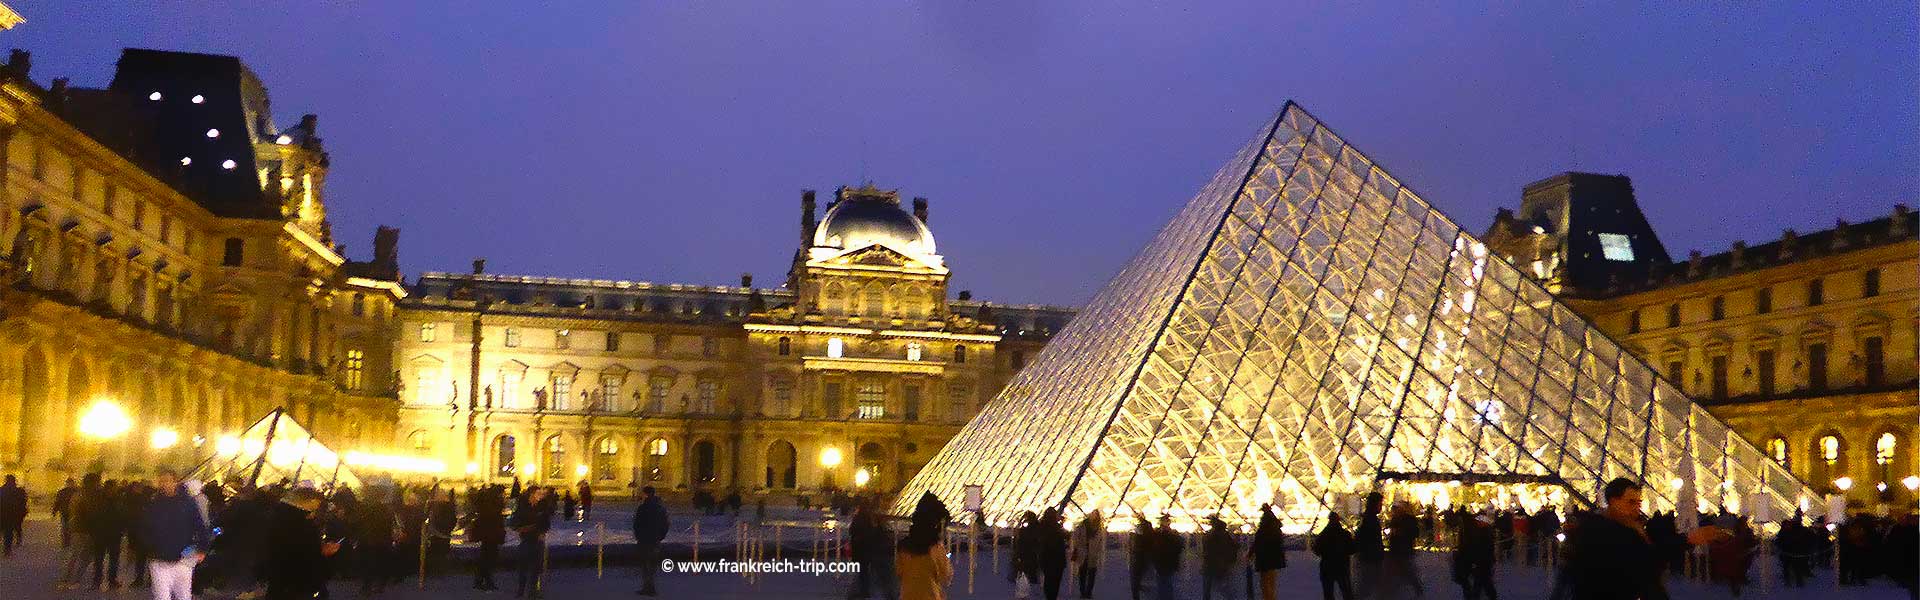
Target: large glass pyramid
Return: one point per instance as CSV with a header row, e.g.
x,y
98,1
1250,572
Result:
x,y
1307,328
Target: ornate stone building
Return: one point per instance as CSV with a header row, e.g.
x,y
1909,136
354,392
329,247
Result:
x,y
167,251
1804,344
852,373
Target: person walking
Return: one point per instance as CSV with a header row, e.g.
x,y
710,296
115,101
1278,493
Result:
x,y
1053,553
1087,552
1903,554
408,518
1730,558
173,536
1140,562
1025,573
1611,554
1334,546
63,509
487,526
294,564
1473,557
650,527
1369,545
133,500
1794,544
568,507
106,524
1218,554
371,528
441,517
1269,552
1399,570
1167,546
586,500
13,514
921,562
532,519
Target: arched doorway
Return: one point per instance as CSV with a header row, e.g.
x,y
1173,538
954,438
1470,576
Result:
x,y
705,465
33,403
872,460
505,461
783,465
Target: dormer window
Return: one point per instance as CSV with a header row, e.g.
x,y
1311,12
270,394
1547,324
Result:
x,y
836,348
1616,247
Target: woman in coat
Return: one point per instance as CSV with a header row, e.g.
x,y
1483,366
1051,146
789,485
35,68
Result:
x,y
1088,550
1269,552
921,560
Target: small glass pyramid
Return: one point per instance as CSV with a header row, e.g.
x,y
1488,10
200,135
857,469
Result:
x,y
275,449
1306,330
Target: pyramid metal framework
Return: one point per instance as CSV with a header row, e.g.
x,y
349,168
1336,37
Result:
x,y
1306,327
275,448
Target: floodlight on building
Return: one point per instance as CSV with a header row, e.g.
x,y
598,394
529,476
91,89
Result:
x,y
163,438
198,99
830,457
283,140
1912,482
861,477
579,470
1844,483
105,420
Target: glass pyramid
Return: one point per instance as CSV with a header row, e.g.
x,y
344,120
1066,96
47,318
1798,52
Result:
x,y
1306,328
274,449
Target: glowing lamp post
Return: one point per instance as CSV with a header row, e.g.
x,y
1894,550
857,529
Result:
x,y
1912,482
163,438
1844,483
105,420
861,477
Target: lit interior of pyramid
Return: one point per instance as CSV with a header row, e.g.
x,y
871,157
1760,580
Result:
x,y
1306,330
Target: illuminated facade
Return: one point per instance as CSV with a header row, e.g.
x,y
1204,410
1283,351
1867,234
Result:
x,y
1805,345
1306,329
860,363
167,251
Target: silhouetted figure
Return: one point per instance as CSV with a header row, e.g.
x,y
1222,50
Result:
x,y
1473,557
1141,563
872,546
1167,546
1269,552
1052,537
532,518
1335,548
1218,555
488,527
650,527
13,514
294,564
63,508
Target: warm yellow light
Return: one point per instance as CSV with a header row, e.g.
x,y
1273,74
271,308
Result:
x,y
1912,482
1677,483
830,457
401,464
861,477
105,420
579,470
163,438
227,445
473,467
1844,483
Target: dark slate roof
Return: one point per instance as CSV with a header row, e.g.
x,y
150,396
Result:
x,y
1792,247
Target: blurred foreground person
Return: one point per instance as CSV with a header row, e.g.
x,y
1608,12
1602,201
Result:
x,y
921,560
1334,546
1611,555
174,537
295,553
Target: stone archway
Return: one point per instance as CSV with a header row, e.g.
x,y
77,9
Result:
x,y
34,396
783,466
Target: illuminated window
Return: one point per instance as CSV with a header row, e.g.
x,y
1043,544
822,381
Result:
x,y
706,397
562,392
356,364
1830,449
509,388
610,396
423,387
913,350
1777,449
556,458
657,394
835,347
428,331
655,469
1884,447
503,456
1616,247
872,398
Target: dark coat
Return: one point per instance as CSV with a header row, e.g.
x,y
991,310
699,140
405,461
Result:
x,y
170,527
1613,561
1167,546
1053,547
1335,548
294,566
1367,543
532,520
1269,549
1474,552
489,524
1406,530
1218,552
650,523
13,504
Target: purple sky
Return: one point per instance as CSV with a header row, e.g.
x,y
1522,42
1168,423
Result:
x,y
670,143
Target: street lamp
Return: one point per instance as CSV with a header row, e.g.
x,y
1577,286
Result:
x,y
1912,482
861,477
163,438
580,470
1844,483
830,458
227,445
105,420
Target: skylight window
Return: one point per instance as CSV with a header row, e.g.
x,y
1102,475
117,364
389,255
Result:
x,y
1616,247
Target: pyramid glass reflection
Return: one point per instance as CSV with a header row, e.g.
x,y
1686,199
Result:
x,y
1305,329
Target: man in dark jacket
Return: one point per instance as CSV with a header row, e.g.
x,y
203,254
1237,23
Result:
x,y
173,536
1053,552
372,528
1473,557
1612,556
295,558
649,529
63,508
104,517
1140,556
488,527
1167,546
531,519
1335,548
1218,553
13,513
1369,544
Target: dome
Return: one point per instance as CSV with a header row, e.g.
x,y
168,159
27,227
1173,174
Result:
x,y
860,219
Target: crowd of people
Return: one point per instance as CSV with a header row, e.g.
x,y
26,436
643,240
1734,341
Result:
x,y
288,541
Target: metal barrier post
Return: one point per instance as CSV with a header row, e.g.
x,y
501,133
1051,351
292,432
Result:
x,y
696,539
423,552
600,550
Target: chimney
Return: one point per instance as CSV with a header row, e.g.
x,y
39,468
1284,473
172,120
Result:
x,y
1693,264
311,123
1899,227
1788,240
746,280
386,252
1739,254
966,295
21,61
479,266
920,210
806,218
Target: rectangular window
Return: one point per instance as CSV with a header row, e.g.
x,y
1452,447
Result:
x,y
910,402
959,402
1763,301
1870,283
1817,367
1719,307
1873,350
139,215
512,337
657,394
1633,322
562,393
356,364
613,341
79,181
562,339
610,399
1673,315
785,346
831,395
1018,359
166,229
781,402
359,305
107,198
429,331
423,392
1816,292
509,390
706,397
872,396
1616,247
1718,374
233,252
1763,370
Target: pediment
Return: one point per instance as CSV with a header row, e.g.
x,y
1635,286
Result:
x,y
874,256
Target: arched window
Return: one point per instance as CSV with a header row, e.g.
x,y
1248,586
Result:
x,y
556,458
1777,450
504,457
1829,454
783,466
873,462
606,458
1886,449
655,469
1830,450
876,303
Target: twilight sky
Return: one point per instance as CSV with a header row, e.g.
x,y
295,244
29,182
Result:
x,y
669,142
